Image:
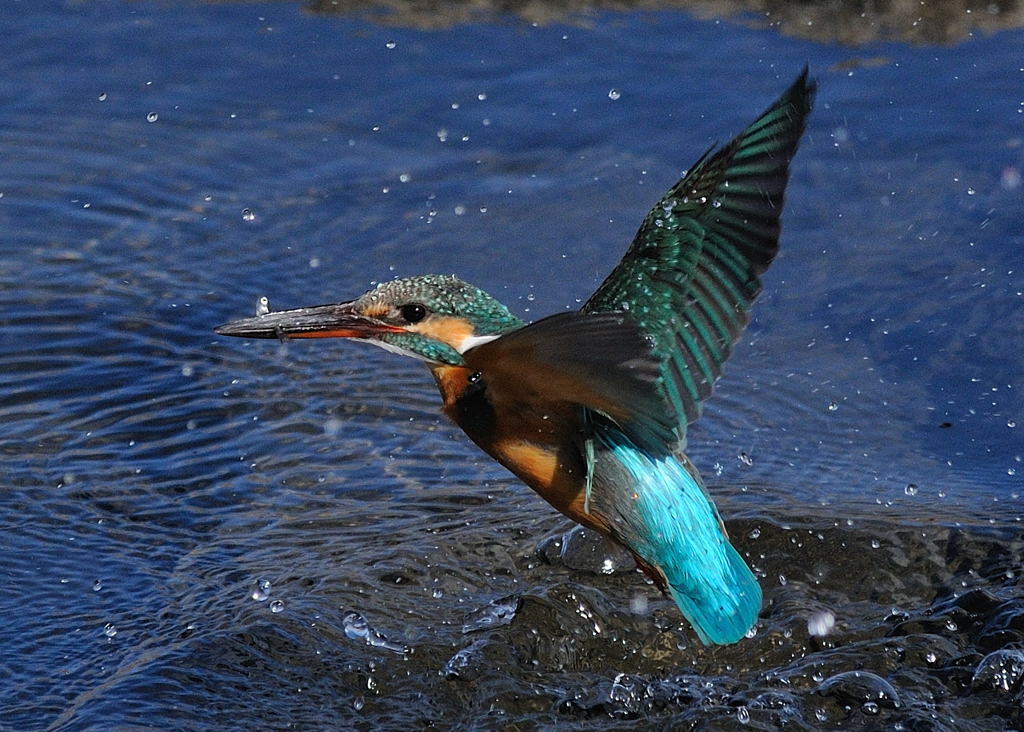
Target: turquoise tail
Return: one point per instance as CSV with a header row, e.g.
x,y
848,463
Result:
x,y
724,614
669,520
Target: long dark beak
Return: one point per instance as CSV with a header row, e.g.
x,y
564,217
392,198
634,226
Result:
x,y
322,321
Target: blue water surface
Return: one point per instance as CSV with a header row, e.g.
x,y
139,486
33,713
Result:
x,y
167,165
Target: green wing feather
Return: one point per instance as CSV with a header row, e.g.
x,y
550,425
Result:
x,y
692,271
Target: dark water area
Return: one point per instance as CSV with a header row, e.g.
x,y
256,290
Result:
x,y
208,533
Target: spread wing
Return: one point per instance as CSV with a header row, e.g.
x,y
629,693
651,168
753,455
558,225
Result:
x,y
692,272
600,362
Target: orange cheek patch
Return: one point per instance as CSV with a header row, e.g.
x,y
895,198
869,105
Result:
x,y
376,310
452,331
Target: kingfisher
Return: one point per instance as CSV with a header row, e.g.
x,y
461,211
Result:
x,y
590,408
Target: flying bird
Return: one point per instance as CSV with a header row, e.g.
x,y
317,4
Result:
x,y
590,408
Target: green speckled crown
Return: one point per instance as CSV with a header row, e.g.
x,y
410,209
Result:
x,y
445,295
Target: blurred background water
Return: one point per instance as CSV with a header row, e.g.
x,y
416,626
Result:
x,y
204,533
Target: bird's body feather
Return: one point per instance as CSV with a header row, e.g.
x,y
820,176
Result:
x,y
536,410
590,409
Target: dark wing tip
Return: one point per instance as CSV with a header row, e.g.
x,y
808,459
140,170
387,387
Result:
x,y
803,90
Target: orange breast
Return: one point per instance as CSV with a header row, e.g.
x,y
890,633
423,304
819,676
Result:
x,y
538,445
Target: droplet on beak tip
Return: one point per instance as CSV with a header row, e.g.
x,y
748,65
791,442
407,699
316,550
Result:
x,y
262,306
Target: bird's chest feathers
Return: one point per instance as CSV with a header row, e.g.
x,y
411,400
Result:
x,y
535,444
466,401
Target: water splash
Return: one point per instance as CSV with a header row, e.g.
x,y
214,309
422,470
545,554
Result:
x,y
357,627
495,614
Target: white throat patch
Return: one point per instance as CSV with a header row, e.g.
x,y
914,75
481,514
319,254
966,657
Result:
x,y
473,341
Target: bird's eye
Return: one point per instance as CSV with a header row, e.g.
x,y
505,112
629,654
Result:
x,y
413,313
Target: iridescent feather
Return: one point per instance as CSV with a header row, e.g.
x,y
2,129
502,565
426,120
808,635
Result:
x,y
688,281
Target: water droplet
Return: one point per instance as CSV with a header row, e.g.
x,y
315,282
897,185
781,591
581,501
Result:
x,y
262,306
871,708
862,687
746,459
109,630
1010,423
931,658
437,594
820,714
832,406
614,94
97,586
951,626
755,533
332,427
248,215
821,624
783,580
1001,670
358,703
493,615
911,489
103,97
276,606
314,262
357,627
405,177
152,117
464,664
260,590
743,715
481,96
390,44
875,544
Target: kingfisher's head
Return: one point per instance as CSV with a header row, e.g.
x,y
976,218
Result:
x,y
435,318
